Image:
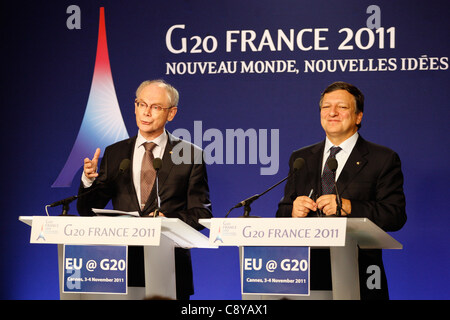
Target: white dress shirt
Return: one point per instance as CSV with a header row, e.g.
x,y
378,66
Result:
x,y
342,156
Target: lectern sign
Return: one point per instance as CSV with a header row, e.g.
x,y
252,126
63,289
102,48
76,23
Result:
x,y
275,270
96,230
278,231
95,269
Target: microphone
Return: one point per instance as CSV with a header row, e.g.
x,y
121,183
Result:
x,y
333,165
298,164
124,165
157,164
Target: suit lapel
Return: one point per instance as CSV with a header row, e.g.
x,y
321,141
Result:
x,y
314,165
167,162
131,188
355,162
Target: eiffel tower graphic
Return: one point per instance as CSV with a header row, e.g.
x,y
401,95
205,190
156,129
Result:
x,y
102,123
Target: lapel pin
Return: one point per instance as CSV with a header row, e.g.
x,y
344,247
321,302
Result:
x,y
357,163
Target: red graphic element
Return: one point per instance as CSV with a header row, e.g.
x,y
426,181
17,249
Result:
x,y
102,123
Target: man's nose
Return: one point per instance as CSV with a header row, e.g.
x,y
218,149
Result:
x,y
333,111
147,111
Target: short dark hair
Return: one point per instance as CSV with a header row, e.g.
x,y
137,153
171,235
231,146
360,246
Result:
x,y
354,91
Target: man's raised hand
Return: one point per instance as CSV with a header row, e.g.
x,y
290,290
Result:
x,y
90,166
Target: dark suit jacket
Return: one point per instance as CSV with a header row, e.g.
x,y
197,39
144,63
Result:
x,y
183,190
373,181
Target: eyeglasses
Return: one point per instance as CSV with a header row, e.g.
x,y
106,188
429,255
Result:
x,y
154,107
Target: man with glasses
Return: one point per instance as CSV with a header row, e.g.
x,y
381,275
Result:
x,y
183,187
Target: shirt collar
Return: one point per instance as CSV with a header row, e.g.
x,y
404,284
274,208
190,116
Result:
x,y
159,141
346,146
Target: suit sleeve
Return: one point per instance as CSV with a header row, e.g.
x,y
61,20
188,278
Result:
x,y
198,204
387,209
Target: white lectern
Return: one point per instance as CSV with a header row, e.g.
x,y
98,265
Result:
x,y
159,236
341,235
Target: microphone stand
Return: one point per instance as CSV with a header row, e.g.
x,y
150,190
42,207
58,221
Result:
x,y
338,201
247,202
298,164
332,164
158,208
157,163
124,165
65,208
247,207
65,205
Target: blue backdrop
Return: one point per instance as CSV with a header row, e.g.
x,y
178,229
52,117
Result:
x,y
48,59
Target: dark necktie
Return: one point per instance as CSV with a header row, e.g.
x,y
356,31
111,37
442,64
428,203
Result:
x,y
329,177
148,173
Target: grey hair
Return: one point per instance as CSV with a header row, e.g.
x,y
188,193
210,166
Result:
x,y
172,93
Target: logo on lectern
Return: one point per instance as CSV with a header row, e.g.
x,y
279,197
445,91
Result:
x,y
219,236
48,228
225,230
41,234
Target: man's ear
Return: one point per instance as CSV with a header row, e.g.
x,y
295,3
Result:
x,y
172,113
